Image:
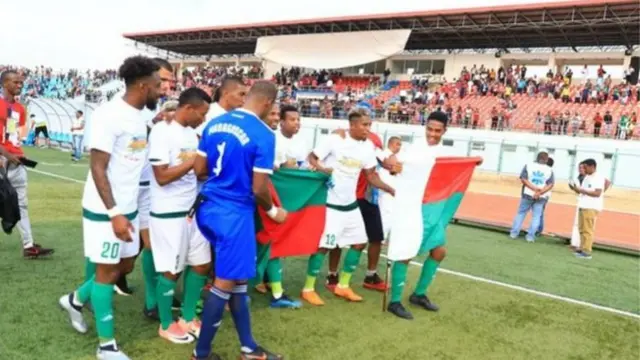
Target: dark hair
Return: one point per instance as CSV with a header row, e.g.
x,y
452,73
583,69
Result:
x,y
5,75
226,82
394,138
358,113
550,162
193,96
285,109
163,64
589,162
439,116
135,68
542,155
80,112
263,88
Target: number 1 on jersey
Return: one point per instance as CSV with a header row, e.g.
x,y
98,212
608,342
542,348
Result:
x,y
218,167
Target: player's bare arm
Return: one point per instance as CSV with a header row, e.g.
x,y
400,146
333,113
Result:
x,y
200,167
375,181
263,197
98,163
165,174
9,156
317,165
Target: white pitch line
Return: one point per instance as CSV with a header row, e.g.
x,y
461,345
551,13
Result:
x,y
531,291
459,274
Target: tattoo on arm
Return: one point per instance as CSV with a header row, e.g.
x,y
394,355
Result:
x,y
99,162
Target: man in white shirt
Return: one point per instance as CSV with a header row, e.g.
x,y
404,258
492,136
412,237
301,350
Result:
x,y
77,132
385,200
538,180
590,203
172,151
118,145
152,117
290,150
229,96
343,159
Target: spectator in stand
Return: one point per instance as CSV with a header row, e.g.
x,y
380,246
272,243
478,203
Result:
x,y
608,121
548,122
576,121
13,118
597,124
623,127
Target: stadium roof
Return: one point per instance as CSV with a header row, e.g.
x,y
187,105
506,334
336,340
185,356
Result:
x,y
559,24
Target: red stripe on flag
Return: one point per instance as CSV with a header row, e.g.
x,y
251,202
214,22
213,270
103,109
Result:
x,y
449,175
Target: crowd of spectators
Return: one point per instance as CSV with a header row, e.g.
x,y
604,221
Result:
x,y
45,82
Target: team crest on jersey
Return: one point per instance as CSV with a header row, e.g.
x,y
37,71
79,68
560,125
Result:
x,y
186,154
350,163
137,144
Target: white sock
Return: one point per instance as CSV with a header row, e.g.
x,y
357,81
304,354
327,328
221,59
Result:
x,y
371,272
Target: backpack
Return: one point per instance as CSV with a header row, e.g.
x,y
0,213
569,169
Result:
x,y
9,207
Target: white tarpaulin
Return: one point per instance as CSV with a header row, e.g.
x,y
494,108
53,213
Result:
x,y
332,51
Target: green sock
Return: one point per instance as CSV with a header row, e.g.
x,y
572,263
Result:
x,y
89,269
274,272
193,284
426,276
398,277
150,279
351,261
313,269
263,253
83,293
102,301
164,295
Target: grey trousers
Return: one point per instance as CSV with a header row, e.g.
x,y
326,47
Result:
x,y
17,176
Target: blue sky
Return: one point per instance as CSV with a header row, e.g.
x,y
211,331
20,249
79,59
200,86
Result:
x,y
87,33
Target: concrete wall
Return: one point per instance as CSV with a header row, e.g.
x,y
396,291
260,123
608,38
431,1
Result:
x,y
507,152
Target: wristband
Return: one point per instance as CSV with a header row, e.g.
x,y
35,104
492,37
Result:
x,y
113,212
272,212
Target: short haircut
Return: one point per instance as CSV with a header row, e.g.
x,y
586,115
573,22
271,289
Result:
x,y
285,109
589,162
135,68
80,112
542,155
163,64
393,139
550,162
5,75
439,116
265,89
357,114
226,82
193,96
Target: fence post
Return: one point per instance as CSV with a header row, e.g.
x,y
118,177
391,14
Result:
x,y
614,165
469,146
315,136
500,157
384,139
573,162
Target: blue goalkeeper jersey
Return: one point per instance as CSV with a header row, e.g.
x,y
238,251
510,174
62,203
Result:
x,y
236,145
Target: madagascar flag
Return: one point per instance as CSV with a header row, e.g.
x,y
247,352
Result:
x,y
303,194
429,192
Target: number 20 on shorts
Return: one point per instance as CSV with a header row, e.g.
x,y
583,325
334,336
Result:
x,y
110,250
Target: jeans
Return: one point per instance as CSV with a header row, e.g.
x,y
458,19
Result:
x,y
541,227
536,207
77,146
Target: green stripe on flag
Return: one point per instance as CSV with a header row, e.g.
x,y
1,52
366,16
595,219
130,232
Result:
x,y
299,188
435,219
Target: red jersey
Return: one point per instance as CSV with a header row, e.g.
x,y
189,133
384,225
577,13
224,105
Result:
x,y
13,116
361,189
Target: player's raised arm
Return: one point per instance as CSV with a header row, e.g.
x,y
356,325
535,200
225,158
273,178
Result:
x,y
321,152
